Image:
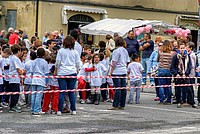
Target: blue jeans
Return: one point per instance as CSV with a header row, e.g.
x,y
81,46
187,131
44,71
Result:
x,y
67,84
144,63
120,94
36,99
134,84
164,92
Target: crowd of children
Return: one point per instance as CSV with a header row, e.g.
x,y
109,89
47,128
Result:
x,y
50,58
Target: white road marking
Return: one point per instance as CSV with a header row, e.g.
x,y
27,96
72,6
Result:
x,y
163,109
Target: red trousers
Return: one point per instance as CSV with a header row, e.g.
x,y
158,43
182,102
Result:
x,y
82,85
111,93
50,97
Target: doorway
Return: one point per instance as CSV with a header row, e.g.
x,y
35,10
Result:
x,y
75,22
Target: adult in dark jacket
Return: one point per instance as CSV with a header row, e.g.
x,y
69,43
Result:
x,y
132,45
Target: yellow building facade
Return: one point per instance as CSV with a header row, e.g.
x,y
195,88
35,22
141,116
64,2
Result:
x,y
70,14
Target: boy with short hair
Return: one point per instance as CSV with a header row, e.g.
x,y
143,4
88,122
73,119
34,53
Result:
x,y
15,69
5,68
88,50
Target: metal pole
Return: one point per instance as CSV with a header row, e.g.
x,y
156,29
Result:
x,y
36,19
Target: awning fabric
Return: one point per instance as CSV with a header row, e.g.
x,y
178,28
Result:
x,y
85,9
120,26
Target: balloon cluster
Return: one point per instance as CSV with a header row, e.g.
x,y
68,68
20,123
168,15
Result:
x,y
140,30
181,32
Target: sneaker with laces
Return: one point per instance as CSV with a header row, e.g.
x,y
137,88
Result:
x,y
5,104
179,105
143,83
15,109
73,113
195,106
59,113
38,113
82,102
53,112
2,105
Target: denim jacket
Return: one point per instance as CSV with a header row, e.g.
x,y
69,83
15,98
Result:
x,y
153,61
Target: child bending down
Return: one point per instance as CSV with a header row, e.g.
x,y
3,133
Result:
x,y
135,70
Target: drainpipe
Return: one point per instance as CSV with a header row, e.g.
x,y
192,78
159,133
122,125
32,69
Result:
x,y
36,19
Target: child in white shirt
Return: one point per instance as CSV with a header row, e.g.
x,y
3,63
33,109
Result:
x,y
38,68
96,82
28,81
15,69
51,97
135,72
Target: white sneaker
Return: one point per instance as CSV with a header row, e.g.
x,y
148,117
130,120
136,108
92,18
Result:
x,y
73,112
39,113
59,113
2,105
143,83
82,102
152,83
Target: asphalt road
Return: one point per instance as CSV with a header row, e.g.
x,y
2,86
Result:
x,y
147,117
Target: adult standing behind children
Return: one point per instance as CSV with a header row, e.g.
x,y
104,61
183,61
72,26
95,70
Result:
x,y
67,64
132,45
120,58
147,47
165,55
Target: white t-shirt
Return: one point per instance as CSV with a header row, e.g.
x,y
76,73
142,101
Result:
x,y
53,81
78,48
69,61
1,78
135,69
6,66
27,67
39,68
15,64
121,58
99,72
82,71
106,63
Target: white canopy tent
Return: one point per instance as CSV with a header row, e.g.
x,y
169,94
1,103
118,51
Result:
x,y
120,26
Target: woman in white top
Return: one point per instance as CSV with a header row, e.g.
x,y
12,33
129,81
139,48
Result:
x,y
120,58
67,64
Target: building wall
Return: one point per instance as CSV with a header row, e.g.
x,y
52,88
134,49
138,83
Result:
x,y
50,17
174,5
50,12
25,15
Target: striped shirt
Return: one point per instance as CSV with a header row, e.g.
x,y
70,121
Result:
x,y
164,60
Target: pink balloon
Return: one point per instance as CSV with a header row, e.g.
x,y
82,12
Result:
x,y
185,35
184,32
180,34
179,29
141,29
137,33
147,31
149,27
176,31
188,31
